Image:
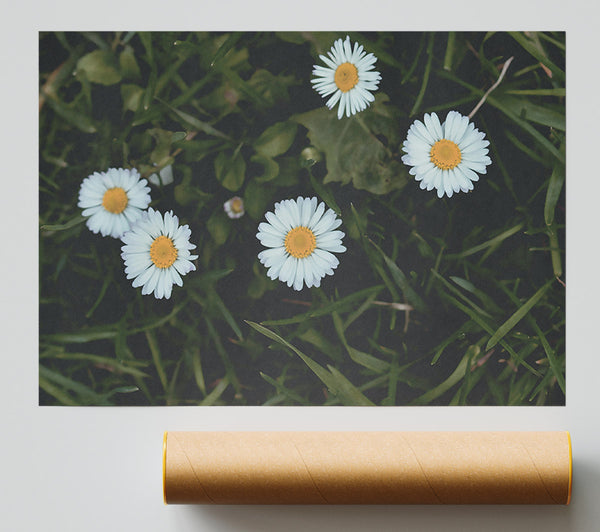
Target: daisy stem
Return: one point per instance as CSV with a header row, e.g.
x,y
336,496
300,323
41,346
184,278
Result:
x,y
498,81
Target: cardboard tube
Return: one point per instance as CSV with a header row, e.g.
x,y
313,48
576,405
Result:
x,y
367,467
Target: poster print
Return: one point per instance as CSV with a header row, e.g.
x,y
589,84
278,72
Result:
x,y
302,218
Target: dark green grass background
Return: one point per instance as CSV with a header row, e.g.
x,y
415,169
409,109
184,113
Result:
x,y
476,278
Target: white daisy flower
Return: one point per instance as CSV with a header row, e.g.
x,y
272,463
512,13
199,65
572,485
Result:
x,y
301,237
234,207
164,177
446,156
349,76
113,200
157,253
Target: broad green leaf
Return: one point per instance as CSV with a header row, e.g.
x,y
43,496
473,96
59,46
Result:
x,y
219,226
276,140
230,170
517,316
271,168
162,150
128,64
257,199
131,96
186,193
99,66
353,152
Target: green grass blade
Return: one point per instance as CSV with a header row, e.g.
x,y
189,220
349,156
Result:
x,y
341,305
364,359
458,293
351,394
489,329
99,333
290,394
526,126
456,376
156,358
316,368
538,53
105,362
225,47
400,279
85,393
425,76
227,315
510,323
555,186
229,367
554,363
194,122
197,369
555,252
538,92
325,194
214,396
335,382
449,50
55,391
62,227
489,243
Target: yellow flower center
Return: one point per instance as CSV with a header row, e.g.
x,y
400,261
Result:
x,y
300,242
237,205
346,77
163,252
445,154
115,200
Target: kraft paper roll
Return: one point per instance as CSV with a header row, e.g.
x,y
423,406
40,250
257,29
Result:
x,y
367,467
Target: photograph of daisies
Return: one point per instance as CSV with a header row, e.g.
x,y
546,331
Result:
x,y
302,218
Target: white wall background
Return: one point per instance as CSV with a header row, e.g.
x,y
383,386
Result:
x,y
97,469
